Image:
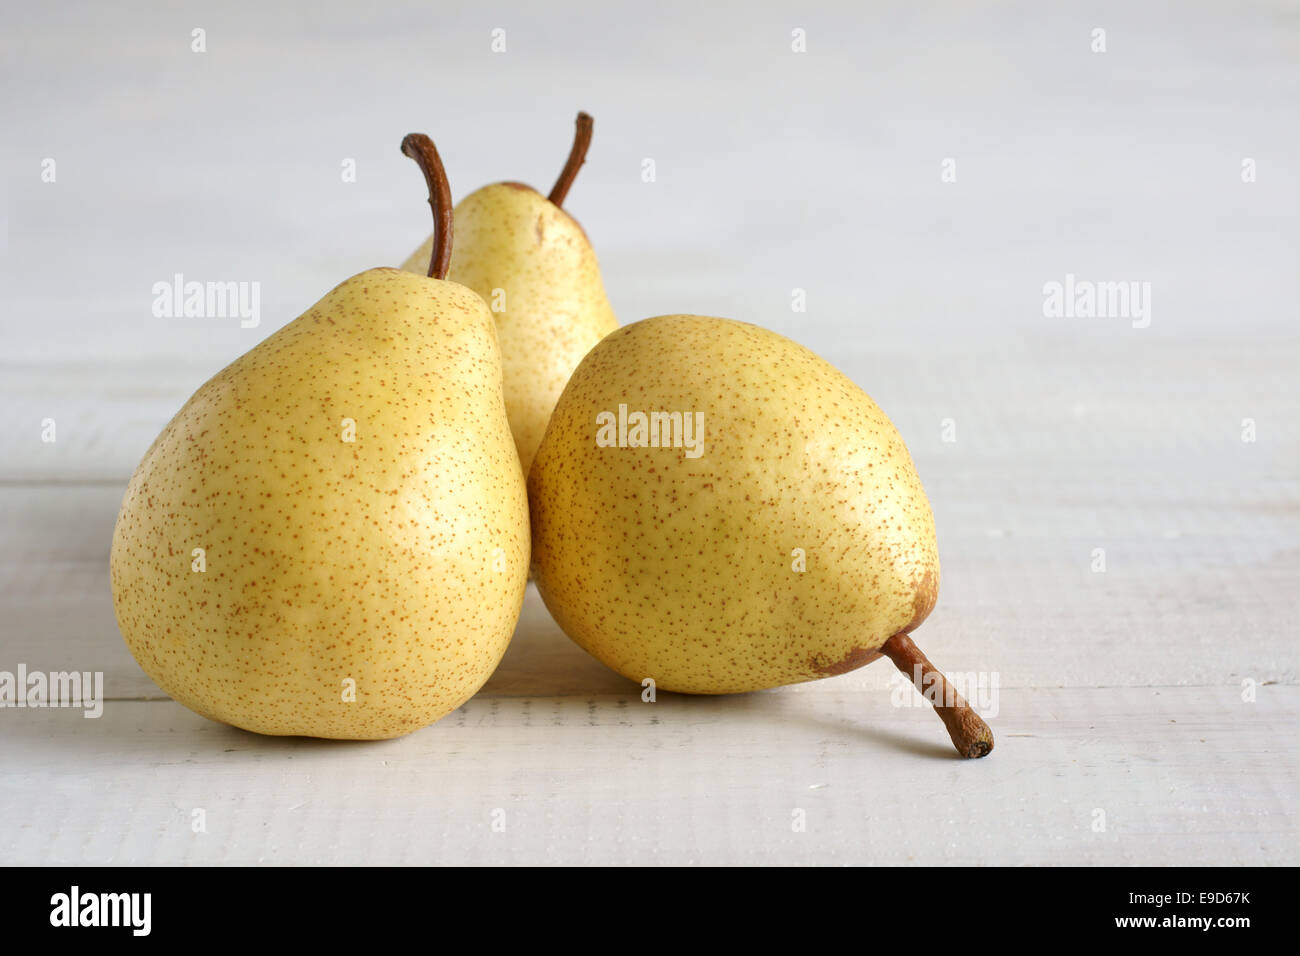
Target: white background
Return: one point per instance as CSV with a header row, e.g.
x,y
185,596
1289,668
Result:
x,y
1120,691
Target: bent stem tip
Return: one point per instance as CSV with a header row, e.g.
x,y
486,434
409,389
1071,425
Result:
x,y
970,735
421,149
577,156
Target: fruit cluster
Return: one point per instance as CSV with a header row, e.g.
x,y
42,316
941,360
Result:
x,y
334,535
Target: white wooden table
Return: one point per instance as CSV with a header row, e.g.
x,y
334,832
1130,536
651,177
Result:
x,y
1147,713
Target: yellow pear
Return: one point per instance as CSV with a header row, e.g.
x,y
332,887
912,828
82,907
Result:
x,y
331,537
718,509
533,264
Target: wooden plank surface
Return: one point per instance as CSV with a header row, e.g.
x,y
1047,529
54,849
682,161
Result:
x,y
605,778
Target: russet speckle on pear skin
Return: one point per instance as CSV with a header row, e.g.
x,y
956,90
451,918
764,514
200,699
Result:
x,y
682,569
511,238
396,561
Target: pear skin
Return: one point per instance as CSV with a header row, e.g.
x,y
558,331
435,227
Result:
x,y
353,488
686,570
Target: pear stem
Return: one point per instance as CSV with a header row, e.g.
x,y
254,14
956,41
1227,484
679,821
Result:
x,y
970,735
577,156
421,149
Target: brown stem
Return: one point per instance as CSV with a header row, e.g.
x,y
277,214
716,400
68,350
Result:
x,y
421,149
577,156
970,735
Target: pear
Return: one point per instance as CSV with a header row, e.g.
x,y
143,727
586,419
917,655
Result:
x,y
331,537
718,509
532,262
